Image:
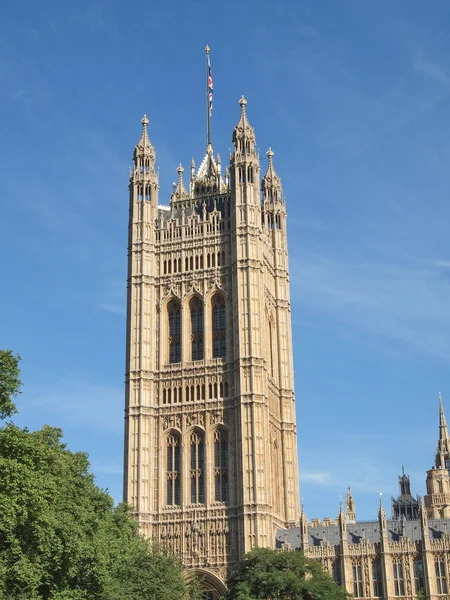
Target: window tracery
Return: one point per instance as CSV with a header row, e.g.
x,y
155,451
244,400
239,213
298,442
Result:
x,y
173,470
174,315
221,465
197,467
196,307
218,326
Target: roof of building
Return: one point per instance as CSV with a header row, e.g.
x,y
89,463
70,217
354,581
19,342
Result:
x,y
370,530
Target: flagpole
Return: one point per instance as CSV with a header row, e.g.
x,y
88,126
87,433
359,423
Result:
x,y
208,115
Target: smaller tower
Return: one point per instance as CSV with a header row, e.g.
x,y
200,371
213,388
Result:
x,y
350,507
437,500
405,506
443,445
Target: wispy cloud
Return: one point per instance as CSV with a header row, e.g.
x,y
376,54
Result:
x,y
432,69
116,293
400,302
107,467
79,403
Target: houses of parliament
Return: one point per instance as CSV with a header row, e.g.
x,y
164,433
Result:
x,y
210,434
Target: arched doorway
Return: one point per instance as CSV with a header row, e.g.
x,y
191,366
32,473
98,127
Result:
x,y
214,587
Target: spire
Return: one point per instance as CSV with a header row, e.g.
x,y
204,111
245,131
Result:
x,y
271,183
443,430
350,507
144,146
244,134
443,445
179,192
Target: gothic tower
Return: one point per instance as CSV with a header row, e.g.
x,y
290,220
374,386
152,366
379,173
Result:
x,y
210,435
437,500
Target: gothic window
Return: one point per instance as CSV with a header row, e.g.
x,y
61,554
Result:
x,y
377,578
196,307
271,347
399,586
441,582
418,575
197,470
218,327
357,580
174,314
276,477
336,571
221,465
173,470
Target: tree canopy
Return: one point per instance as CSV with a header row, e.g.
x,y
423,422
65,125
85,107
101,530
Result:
x,y
61,538
265,574
10,383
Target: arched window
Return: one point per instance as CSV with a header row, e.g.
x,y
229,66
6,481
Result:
x,y
271,347
218,327
197,470
276,477
196,307
173,470
174,314
221,465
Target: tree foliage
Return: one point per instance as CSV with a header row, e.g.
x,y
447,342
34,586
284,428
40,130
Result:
x,y
61,537
10,383
281,574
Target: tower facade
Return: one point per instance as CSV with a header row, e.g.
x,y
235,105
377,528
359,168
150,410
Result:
x,y
210,435
437,500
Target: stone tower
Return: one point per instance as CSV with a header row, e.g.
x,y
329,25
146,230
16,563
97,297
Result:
x,y
437,500
210,435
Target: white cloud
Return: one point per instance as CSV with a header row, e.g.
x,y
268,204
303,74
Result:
x,y
94,406
396,301
432,69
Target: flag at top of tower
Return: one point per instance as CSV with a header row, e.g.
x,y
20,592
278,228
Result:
x,y
210,86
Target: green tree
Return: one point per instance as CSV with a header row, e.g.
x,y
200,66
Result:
x,y
61,537
10,383
281,574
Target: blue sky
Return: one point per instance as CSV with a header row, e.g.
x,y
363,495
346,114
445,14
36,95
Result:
x,y
353,97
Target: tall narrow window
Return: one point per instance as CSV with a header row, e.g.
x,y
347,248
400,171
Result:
x,y
399,586
196,307
357,580
377,578
197,470
441,582
174,313
173,470
219,327
276,477
271,346
221,465
418,575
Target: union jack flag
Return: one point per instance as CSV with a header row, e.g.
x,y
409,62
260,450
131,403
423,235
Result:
x,y
210,87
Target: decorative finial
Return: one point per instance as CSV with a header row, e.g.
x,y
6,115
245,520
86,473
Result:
x,y
403,469
242,102
180,172
144,121
207,49
269,155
